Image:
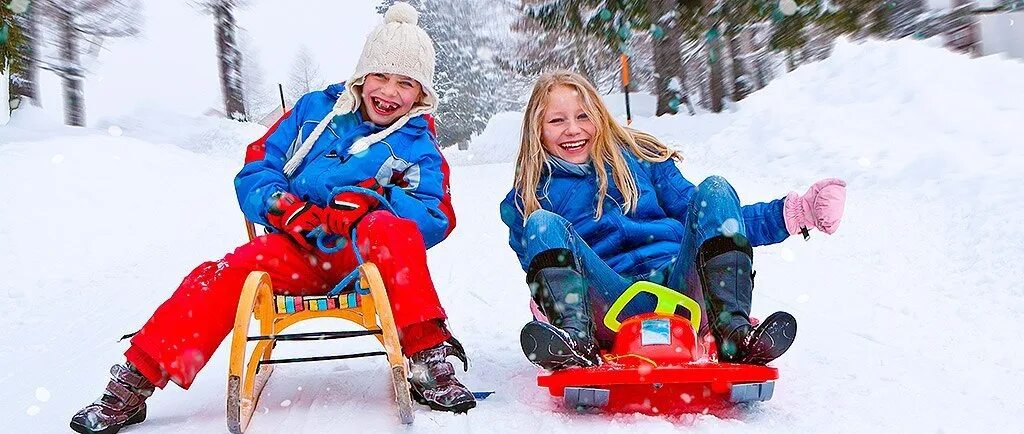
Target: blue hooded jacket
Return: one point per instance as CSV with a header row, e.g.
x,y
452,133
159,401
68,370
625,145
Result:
x,y
407,163
635,243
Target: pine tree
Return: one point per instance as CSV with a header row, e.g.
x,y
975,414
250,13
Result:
x,y
304,76
468,83
78,27
229,57
24,82
11,41
259,98
534,49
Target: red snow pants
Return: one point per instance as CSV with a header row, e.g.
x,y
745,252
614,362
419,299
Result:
x,y
185,330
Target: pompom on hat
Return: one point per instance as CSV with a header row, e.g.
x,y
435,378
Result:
x,y
398,46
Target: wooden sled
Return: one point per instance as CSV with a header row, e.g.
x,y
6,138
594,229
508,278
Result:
x,y
249,371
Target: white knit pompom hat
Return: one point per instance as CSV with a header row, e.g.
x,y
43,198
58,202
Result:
x,y
398,46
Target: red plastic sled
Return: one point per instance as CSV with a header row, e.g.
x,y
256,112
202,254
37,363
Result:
x,y
657,365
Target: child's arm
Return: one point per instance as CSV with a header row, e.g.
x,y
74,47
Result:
x,y
512,218
261,178
763,221
424,199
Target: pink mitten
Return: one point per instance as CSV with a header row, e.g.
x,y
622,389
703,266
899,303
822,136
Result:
x,y
821,207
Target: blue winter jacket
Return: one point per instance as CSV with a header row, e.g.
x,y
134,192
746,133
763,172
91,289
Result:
x,y
407,163
644,240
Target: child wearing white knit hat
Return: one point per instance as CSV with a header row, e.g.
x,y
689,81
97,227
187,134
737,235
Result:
x,y
397,47
370,132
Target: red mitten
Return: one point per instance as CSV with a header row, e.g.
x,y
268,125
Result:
x,y
293,216
348,207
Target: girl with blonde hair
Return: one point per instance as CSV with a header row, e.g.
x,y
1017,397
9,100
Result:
x,y
596,206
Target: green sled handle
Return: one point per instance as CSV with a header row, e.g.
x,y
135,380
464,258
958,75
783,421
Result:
x,y
668,300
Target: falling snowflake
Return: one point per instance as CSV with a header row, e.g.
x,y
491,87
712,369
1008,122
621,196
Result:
x,y
115,131
33,410
787,254
42,394
286,403
730,227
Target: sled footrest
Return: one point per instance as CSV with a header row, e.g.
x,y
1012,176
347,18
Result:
x,y
586,397
752,392
316,336
320,358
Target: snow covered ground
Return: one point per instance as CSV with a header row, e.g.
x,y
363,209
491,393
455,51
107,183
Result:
x,y
907,315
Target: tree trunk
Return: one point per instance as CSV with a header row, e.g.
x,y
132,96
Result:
x,y
5,99
230,61
25,84
753,62
740,80
715,79
70,70
669,72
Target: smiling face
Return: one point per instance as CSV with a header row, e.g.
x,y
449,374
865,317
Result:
x,y
387,97
567,132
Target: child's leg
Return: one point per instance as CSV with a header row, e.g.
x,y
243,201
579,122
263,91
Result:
x,y
562,264
714,211
396,247
715,252
187,328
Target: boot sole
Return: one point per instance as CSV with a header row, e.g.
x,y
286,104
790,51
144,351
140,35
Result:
x,y
460,408
548,348
113,429
771,339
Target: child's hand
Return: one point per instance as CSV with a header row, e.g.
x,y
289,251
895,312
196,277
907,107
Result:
x,y
821,207
293,216
348,207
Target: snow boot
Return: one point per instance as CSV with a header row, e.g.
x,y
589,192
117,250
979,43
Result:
x,y
123,403
725,267
560,292
432,379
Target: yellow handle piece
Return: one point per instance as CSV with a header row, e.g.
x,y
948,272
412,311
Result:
x,y
668,300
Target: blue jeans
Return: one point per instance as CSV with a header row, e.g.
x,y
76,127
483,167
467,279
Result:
x,y
713,210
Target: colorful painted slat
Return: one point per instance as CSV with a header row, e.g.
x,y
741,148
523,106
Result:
x,y
295,304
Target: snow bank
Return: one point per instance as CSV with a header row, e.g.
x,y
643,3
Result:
x,y
907,315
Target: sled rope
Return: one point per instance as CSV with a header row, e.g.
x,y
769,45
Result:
x,y
613,358
339,242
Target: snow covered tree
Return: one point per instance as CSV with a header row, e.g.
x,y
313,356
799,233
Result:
x,y
24,82
79,27
667,33
534,49
303,78
229,58
468,83
903,15
11,41
259,98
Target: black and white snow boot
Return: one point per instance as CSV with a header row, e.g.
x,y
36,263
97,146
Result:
x,y
432,379
123,403
560,292
725,266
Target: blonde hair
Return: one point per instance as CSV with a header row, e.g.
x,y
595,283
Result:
x,y
610,140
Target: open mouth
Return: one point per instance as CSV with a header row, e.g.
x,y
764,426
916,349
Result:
x,y
573,146
384,108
